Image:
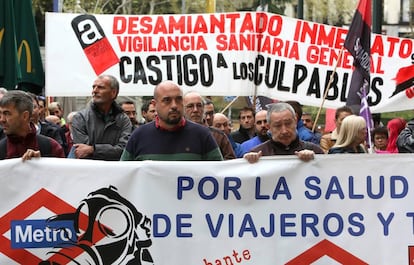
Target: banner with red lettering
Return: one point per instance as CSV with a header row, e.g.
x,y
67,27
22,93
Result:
x,y
219,54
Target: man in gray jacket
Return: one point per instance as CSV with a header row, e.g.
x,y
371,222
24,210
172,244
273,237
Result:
x,y
101,130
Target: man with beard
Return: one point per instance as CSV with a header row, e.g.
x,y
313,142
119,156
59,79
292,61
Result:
x,y
262,135
171,136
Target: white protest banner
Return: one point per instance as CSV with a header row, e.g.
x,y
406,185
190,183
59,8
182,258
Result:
x,y
336,209
220,54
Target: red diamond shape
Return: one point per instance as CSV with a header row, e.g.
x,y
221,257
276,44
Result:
x,y
42,198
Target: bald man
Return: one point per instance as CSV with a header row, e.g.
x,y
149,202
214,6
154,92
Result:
x,y
171,137
222,123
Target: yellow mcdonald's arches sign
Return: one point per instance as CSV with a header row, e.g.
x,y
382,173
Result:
x,y
24,44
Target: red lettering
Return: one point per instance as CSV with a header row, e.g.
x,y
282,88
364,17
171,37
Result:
x,y
160,26
312,54
378,46
393,42
200,25
119,25
133,25
247,24
297,30
233,17
221,42
275,25
340,38
146,25
406,48
179,24
261,22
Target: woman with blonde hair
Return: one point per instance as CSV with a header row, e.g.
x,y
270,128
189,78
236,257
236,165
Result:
x,y
351,137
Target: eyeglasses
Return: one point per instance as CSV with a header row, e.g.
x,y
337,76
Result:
x,y
192,106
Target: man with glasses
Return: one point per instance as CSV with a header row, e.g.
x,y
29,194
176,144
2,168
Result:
x,y
208,112
194,111
282,122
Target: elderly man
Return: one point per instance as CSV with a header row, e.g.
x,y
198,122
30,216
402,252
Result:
x,y
101,130
222,123
194,111
171,136
282,122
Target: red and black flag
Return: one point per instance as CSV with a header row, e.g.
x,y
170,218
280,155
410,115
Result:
x,y
358,43
404,80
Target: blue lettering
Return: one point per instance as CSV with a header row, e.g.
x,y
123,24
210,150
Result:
x,y
385,222
214,191
411,214
181,225
308,183
339,224
228,187
352,194
380,193
258,196
282,189
404,189
354,219
334,188
184,183
271,227
285,224
214,230
156,227
247,226
310,221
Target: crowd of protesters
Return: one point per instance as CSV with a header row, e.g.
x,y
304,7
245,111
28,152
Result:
x,y
178,126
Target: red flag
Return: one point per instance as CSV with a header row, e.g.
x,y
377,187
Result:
x,y
358,43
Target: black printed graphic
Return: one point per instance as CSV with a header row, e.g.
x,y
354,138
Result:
x,y
116,233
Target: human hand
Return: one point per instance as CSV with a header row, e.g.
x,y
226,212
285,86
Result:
x,y
83,150
305,155
252,157
29,154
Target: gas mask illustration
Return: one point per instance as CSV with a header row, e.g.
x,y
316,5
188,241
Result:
x,y
116,233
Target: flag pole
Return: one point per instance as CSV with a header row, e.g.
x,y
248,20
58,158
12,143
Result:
x,y
228,105
328,86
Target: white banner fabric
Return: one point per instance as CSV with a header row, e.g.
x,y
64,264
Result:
x,y
336,209
221,54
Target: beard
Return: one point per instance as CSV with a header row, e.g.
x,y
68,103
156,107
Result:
x,y
173,118
173,121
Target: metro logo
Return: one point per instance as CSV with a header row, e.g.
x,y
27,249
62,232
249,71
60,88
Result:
x,y
40,199
40,234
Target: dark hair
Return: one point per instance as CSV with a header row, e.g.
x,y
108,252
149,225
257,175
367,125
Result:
x,y
21,100
297,107
246,109
129,102
342,109
379,130
208,101
145,106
